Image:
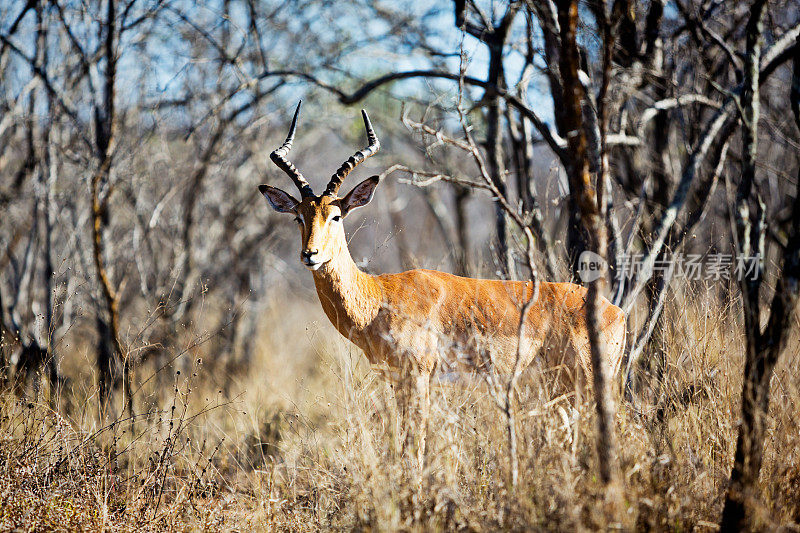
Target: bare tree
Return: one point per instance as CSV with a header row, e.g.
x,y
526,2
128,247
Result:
x,y
131,134
592,216
763,348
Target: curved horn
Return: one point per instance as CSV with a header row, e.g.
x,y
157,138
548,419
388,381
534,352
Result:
x,y
355,160
279,158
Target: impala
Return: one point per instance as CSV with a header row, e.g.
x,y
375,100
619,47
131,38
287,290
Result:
x,y
419,322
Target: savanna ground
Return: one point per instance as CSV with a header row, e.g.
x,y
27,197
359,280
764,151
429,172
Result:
x,y
133,136
303,437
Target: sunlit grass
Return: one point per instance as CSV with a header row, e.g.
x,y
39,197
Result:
x,y
304,436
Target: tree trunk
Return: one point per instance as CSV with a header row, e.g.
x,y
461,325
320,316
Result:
x,y
110,353
762,350
497,171
590,214
4,340
462,232
48,176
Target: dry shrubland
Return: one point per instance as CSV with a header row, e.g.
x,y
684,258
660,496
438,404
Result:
x,y
164,360
304,436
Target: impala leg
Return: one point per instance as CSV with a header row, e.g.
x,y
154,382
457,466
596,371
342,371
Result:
x,y
400,388
413,403
422,409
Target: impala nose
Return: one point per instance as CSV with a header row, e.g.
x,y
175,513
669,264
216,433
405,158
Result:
x,y
308,254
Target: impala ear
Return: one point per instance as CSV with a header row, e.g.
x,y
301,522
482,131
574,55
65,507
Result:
x,y
360,195
282,202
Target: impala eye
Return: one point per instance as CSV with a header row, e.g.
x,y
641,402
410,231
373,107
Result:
x,y
336,218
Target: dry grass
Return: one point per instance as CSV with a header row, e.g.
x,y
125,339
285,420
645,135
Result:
x,y
304,437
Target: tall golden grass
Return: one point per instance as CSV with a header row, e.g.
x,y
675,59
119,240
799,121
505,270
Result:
x,y
304,437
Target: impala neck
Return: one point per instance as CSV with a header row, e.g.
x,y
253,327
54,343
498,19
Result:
x,y
351,298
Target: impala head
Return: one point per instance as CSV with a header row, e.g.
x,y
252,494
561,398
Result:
x,y
320,217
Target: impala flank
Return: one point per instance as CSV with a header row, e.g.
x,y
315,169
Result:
x,y
416,323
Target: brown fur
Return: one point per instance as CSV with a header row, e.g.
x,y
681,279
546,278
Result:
x,y
420,321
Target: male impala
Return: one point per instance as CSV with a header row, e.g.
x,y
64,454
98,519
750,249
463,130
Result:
x,y
421,321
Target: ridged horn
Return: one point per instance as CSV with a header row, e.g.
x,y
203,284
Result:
x,y
279,158
355,160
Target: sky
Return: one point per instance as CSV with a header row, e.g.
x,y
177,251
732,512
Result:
x,y
164,66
